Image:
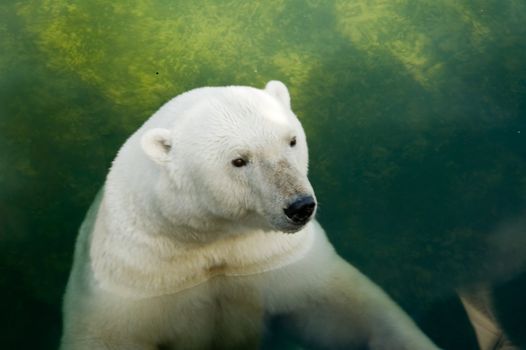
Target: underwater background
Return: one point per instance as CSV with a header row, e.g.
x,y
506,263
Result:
x,y
415,113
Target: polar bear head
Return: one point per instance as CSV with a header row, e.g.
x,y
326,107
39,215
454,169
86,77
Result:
x,y
231,157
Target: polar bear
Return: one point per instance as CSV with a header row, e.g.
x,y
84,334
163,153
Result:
x,y
204,232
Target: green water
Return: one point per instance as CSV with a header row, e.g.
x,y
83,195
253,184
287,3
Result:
x,y
415,113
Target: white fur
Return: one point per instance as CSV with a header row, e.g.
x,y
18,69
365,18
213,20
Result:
x,y
279,91
156,143
184,250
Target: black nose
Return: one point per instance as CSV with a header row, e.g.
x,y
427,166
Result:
x,y
301,210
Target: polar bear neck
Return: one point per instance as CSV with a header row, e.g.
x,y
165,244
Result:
x,y
129,261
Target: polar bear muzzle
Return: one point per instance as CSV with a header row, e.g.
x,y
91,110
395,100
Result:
x,y
301,210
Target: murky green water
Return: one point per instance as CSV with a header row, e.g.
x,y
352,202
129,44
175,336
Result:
x,y
415,113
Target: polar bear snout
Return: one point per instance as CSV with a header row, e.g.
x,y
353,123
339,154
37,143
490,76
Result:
x,y
301,210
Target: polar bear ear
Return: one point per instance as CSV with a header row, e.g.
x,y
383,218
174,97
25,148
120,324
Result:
x,y
156,143
278,90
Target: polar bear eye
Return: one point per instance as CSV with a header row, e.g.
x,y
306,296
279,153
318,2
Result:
x,y
293,142
239,162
